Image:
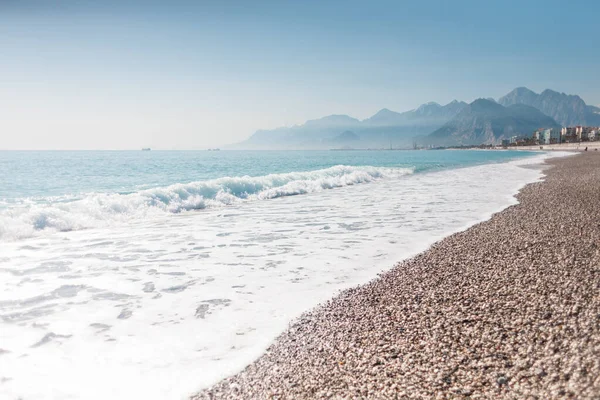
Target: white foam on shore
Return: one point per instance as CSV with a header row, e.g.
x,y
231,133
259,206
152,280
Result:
x,y
35,217
161,307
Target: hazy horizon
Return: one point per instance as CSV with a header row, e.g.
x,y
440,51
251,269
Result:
x,y
126,75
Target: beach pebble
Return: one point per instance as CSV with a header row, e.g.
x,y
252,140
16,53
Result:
x,y
507,309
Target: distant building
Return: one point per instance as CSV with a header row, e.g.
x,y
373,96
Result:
x,y
555,136
586,133
505,142
575,134
547,136
571,134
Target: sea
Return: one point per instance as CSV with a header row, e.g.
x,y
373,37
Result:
x,y
153,274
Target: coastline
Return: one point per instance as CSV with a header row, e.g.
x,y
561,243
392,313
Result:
x,y
506,308
224,315
592,146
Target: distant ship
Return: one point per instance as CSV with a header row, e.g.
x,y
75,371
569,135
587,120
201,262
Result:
x,y
214,149
146,149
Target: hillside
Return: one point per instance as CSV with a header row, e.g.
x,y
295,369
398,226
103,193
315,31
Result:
x,y
519,112
383,129
487,122
567,110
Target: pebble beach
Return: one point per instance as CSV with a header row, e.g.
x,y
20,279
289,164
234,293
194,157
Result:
x,y
508,309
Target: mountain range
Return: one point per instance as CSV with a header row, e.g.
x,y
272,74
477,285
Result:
x,y
519,112
487,122
383,129
567,110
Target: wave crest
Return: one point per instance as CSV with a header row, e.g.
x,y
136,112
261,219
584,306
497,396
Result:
x,y
100,209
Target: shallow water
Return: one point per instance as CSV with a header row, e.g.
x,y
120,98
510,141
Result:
x,y
160,304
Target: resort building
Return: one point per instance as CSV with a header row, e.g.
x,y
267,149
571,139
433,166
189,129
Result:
x,y
574,134
547,136
571,134
587,133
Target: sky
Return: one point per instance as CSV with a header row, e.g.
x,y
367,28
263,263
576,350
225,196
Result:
x,y
83,74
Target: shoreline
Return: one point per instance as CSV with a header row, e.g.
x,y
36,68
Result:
x,y
233,302
481,313
592,146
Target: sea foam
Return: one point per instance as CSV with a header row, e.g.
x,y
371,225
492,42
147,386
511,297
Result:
x,y
101,209
162,306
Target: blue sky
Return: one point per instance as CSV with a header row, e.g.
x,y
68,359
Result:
x,y
193,74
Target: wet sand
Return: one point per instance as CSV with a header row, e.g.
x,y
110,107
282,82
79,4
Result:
x,y
508,309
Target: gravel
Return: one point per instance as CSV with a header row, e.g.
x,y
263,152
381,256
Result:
x,y
509,309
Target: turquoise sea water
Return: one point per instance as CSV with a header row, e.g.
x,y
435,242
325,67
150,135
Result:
x,y
74,190
43,174
163,272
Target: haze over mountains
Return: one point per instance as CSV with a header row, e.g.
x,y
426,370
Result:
x,y
567,110
487,122
383,129
519,112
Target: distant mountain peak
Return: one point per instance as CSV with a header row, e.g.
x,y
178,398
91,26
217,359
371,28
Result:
x,y
384,111
481,100
334,119
346,136
385,116
484,104
523,89
567,110
430,108
427,105
482,121
454,107
487,122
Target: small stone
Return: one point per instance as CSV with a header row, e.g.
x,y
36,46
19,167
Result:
x,y
502,380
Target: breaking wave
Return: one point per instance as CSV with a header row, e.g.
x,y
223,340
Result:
x,y
100,209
